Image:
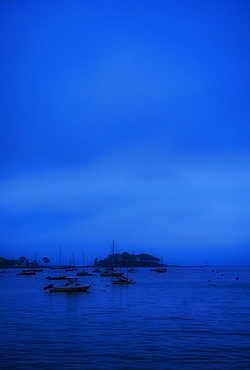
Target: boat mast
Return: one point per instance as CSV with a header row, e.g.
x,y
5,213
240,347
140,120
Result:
x,y
112,252
60,256
82,258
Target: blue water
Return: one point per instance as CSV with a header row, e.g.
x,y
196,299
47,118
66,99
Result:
x,y
175,320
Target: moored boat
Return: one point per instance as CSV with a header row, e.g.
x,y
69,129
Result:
x,y
71,269
97,270
108,272
36,270
72,285
83,273
26,272
60,277
159,269
121,280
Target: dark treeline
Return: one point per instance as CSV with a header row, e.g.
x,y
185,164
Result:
x,y
21,262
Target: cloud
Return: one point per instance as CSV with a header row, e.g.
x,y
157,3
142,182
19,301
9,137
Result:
x,y
187,204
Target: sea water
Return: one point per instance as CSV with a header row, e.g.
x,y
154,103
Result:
x,y
185,318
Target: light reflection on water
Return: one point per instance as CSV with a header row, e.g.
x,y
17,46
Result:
x,y
175,320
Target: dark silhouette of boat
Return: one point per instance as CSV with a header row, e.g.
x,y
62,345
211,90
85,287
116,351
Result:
x,y
27,272
60,277
159,269
121,280
109,272
83,273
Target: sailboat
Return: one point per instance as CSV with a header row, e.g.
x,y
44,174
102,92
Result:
x,y
132,269
83,272
60,267
121,280
111,271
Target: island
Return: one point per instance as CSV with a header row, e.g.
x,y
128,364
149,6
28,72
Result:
x,y
126,259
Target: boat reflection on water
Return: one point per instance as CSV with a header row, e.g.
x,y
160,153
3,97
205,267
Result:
x,y
72,285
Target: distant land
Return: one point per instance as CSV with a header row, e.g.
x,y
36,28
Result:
x,y
113,260
124,259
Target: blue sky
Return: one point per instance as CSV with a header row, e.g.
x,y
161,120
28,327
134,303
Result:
x,y
125,121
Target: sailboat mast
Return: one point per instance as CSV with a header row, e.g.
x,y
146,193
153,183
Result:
x,y
83,262
60,256
112,253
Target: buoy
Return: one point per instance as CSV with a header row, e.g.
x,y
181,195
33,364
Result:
x,y
237,278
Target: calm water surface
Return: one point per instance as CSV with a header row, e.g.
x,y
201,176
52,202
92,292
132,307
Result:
x,y
175,320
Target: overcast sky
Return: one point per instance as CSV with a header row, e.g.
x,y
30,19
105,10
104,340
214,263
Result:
x,y
126,121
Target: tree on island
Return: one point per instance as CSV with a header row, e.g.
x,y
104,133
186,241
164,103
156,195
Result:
x,y
46,260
